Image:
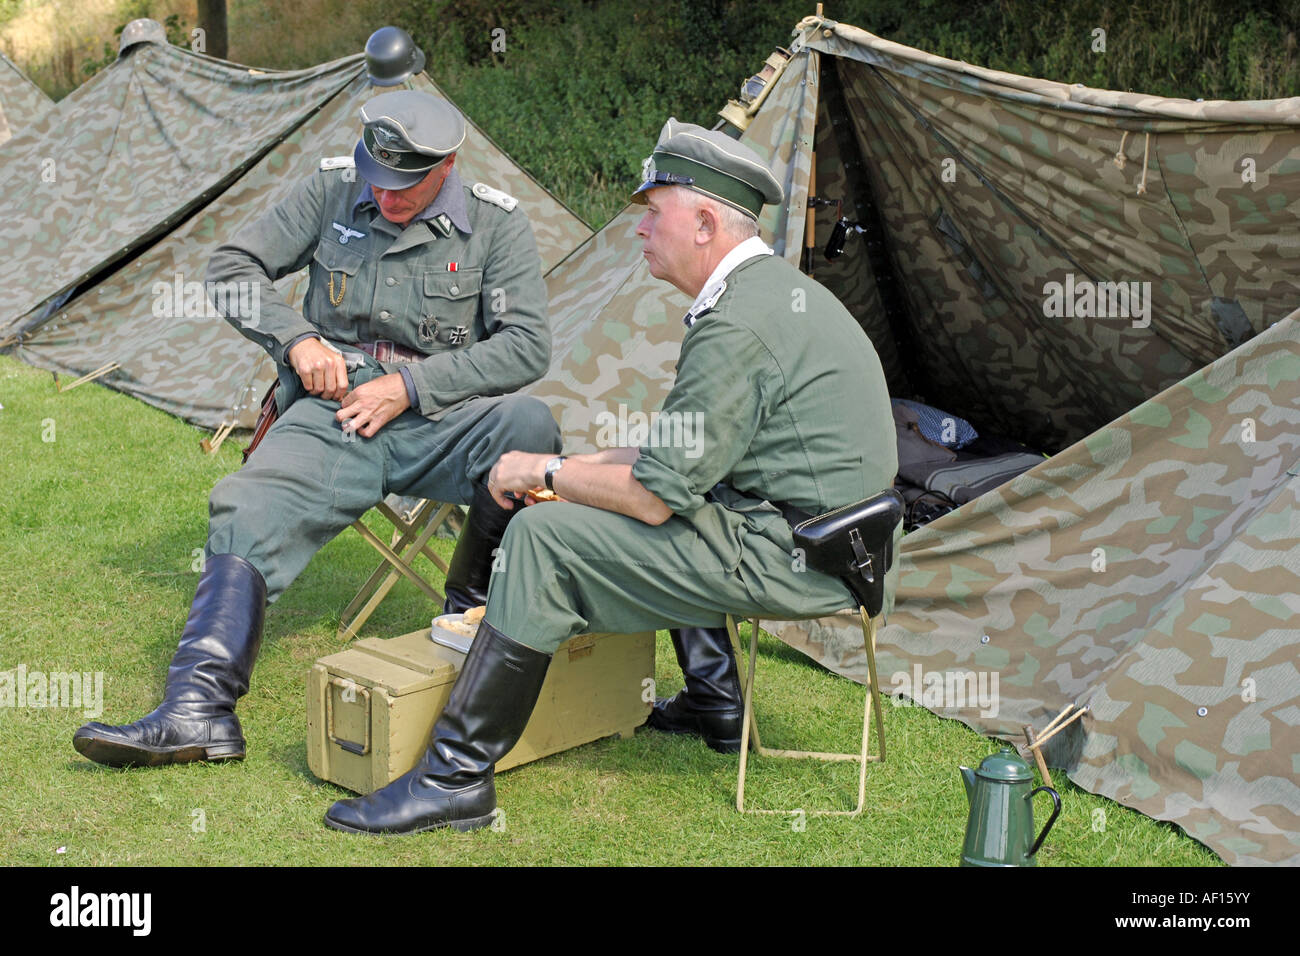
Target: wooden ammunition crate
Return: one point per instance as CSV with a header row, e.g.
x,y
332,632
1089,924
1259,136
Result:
x,y
372,707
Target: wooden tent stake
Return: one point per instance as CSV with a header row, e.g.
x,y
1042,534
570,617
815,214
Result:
x,y
90,376
1046,737
210,445
1038,755
1057,719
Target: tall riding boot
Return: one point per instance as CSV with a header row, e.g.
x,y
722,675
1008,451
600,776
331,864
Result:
x,y
210,671
453,785
711,706
471,563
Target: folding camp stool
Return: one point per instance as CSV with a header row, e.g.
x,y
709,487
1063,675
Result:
x,y
856,544
412,530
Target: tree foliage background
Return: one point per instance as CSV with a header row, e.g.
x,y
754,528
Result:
x,y
581,88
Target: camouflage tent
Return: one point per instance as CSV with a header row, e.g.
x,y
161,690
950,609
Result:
x,y
21,101
1102,275
127,155
150,315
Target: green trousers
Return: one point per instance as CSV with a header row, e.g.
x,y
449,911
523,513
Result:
x,y
307,480
567,569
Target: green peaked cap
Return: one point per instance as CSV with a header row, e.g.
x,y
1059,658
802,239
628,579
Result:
x,y
716,166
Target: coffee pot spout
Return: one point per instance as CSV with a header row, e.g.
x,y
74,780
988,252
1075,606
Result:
x,y
968,778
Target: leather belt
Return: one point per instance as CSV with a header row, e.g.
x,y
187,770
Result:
x,y
792,515
386,350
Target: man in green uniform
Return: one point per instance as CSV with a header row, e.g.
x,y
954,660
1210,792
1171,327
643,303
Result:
x,y
793,415
426,307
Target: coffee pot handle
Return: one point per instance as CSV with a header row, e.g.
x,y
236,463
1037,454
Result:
x,y
1056,812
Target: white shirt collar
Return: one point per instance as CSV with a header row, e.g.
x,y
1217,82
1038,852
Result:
x,y
717,281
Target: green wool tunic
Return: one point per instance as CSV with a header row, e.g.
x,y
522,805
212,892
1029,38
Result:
x,y
472,302
791,405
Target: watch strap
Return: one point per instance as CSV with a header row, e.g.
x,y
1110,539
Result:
x,y
552,467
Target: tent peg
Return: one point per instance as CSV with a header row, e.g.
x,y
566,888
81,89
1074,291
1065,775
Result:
x,y
88,377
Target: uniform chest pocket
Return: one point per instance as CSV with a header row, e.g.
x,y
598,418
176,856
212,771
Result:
x,y
449,310
335,258
333,269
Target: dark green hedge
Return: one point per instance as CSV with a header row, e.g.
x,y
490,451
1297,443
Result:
x,y
582,87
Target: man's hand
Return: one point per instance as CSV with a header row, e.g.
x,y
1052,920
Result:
x,y
369,407
518,472
321,369
601,484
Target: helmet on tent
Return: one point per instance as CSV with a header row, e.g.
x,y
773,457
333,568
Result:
x,y
392,56
143,30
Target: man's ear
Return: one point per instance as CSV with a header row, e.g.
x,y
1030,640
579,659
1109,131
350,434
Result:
x,y
450,161
707,230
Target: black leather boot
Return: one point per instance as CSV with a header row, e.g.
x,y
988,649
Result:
x,y
711,705
471,562
453,784
209,672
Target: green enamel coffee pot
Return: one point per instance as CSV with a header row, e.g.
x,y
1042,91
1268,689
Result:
x,y
1000,828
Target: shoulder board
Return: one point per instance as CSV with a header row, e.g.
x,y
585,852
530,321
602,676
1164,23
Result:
x,y
337,162
495,196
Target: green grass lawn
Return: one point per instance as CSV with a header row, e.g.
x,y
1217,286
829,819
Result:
x,y
103,507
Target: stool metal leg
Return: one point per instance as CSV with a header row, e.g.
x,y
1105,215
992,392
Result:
x,y
871,702
751,725
869,638
749,705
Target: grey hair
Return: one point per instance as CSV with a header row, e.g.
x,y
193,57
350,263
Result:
x,y
736,224
731,221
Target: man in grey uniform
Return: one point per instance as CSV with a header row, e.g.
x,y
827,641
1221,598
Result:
x,y
795,420
426,307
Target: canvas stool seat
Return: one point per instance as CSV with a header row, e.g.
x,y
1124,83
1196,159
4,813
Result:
x,y
856,544
414,522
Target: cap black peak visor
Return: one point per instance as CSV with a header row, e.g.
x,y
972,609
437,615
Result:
x,y
390,168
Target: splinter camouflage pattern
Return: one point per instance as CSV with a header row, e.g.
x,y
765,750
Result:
x,y
196,365
1198,528
1037,194
128,154
22,102
1149,570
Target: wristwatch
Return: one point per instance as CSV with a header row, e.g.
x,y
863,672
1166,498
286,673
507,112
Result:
x,y
552,466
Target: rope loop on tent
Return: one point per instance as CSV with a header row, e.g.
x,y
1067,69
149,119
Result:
x,y
1120,158
1146,155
